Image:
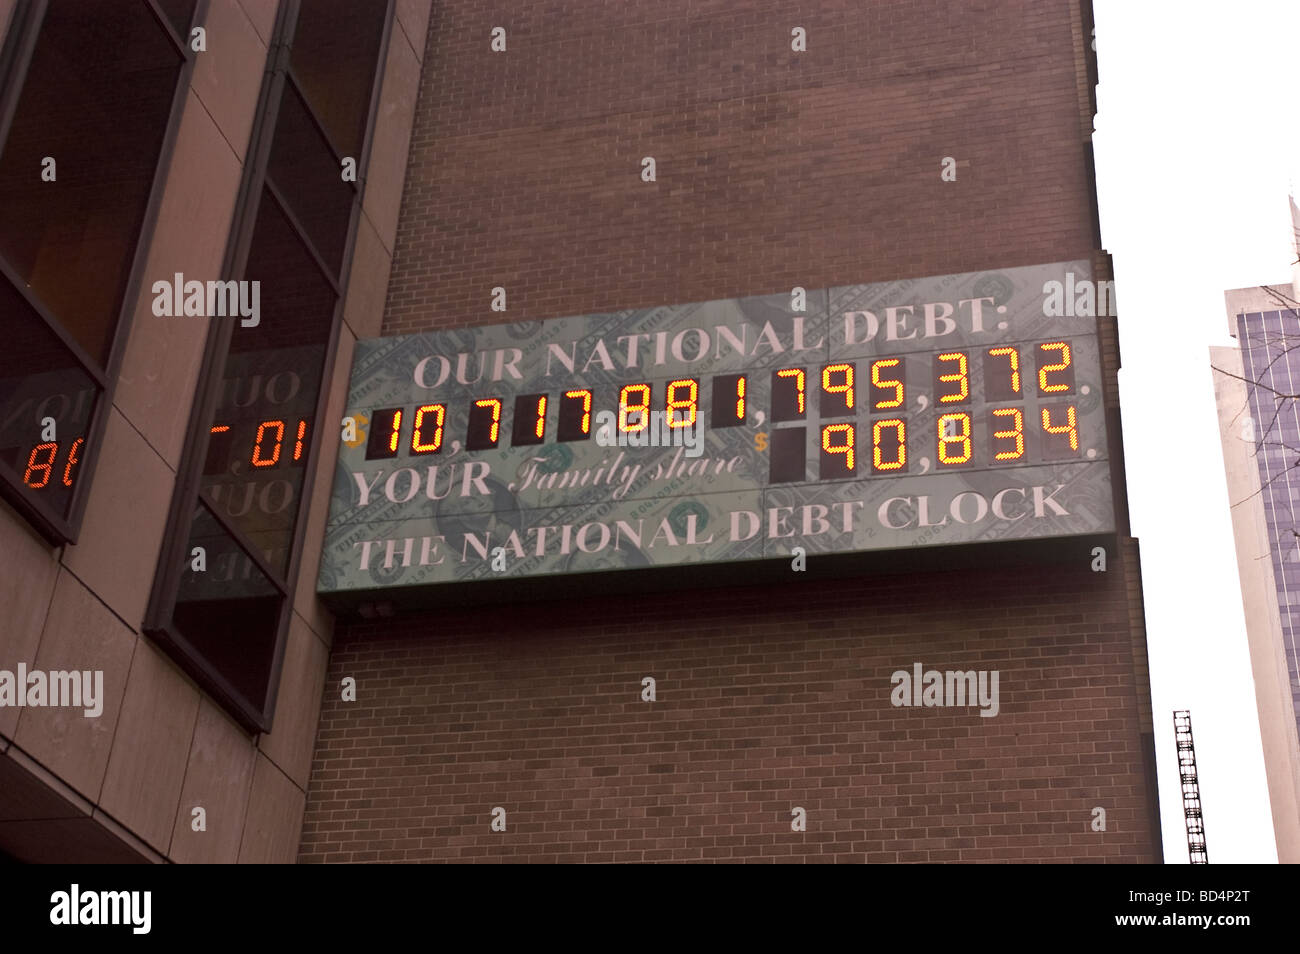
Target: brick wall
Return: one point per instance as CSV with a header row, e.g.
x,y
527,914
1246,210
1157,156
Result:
x,y
761,706
774,169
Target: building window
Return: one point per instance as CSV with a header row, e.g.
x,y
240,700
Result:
x,y
222,598
92,94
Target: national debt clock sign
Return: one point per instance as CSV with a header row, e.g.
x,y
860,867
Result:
x,y
928,412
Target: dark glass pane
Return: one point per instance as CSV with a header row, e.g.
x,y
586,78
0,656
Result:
x,y
179,14
39,378
335,52
297,303
310,178
96,100
264,419
230,611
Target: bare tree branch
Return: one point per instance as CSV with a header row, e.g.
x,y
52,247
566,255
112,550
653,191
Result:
x,y
1265,485
1258,384
1278,296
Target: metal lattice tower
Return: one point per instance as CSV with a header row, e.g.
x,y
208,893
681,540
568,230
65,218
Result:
x,y
1191,788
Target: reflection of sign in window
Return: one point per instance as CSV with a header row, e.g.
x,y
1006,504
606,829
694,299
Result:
x,y
260,435
41,406
67,247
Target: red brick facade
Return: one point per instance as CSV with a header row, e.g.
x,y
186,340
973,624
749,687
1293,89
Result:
x,y
537,709
774,169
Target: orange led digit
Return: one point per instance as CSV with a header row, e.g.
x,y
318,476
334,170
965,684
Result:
x,y
960,376
690,403
846,448
397,430
530,420
962,438
1014,355
641,409
1017,433
47,467
797,374
585,398
540,428
385,428
846,388
897,399
899,428
298,446
72,460
1069,427
483,430
727,408
789,401
220,428
1064,352
493,429
418,444
257,460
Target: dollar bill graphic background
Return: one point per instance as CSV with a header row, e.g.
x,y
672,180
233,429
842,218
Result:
x,y
578,506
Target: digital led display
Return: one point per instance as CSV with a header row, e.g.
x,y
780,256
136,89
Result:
x,y
934,411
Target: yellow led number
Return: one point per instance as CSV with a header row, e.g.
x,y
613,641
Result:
x,y
954,447
879,454
781,410
494,429
392,440
530,420
1011,420
539,429
883,380
1070,429
575,427
688,403
426,439
1013,356
958,376
639,406
838,439
829,407
1065,382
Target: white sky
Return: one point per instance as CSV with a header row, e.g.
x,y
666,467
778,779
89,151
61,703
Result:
x,y
1197,144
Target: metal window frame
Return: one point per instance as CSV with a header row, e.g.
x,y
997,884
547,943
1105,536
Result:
x,y
15,62
253,715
